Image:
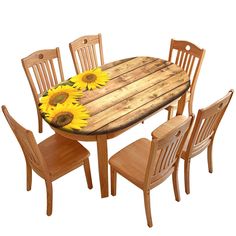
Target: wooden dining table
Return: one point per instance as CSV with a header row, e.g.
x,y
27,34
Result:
x,y
138,88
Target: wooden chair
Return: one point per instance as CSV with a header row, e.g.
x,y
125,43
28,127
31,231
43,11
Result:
x,y
203,134
84,52
189,57
51,158
42,73
148,163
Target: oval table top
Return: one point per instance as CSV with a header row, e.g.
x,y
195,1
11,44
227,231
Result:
x,y
138,87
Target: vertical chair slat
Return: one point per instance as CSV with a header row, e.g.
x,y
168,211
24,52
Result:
x,y
185,61
40,72
188,63
177,57
85,60
158,163
36,74
181,58
95,55
167,149
191,67
93,63
53,72
210,127
167,156
45,75
89,59
200,133
173,154
81,59
85,48
49,73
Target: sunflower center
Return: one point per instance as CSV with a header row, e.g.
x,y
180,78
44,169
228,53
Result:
x,y
62,118
89,78
58,98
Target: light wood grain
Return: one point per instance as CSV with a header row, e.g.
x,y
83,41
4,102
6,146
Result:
x,y
137,69
40,70
189,57
129,104
203,134
84,52
51,159
144,81
138,88
103,164
148,163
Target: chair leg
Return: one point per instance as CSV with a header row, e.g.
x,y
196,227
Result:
x,y
40,123
175,182
209,157
186,175
49,197
88,174
190,107
146,195
113,181
28,177
170,112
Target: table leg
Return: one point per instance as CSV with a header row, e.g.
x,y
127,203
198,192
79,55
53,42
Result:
x,y
103,164
181,105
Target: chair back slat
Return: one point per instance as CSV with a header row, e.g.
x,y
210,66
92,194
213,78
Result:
x,y
84,52
165,152
54,74
177,57
189,57
49,72
40,69
185,52
181,59
82,63
40,83
42,76
45,74
206,124
185,61
170,150
94,56
28,144
190,65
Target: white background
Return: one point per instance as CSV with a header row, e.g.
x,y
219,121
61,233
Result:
x,y
129,28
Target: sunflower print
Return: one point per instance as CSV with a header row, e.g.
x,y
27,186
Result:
x,y
90,79
66,116
59,95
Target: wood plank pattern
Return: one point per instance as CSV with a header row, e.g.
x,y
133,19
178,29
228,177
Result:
x,y
138,87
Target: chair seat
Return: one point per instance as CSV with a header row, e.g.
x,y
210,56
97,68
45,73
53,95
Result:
x,y
132,160
62,155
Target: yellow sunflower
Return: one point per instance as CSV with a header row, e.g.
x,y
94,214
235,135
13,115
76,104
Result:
x,y
68,116
90,79
59,95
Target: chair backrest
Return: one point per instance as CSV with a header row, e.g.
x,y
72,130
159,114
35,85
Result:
x,y
84,51
188,57
206,124
29,146
41,70
165,153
